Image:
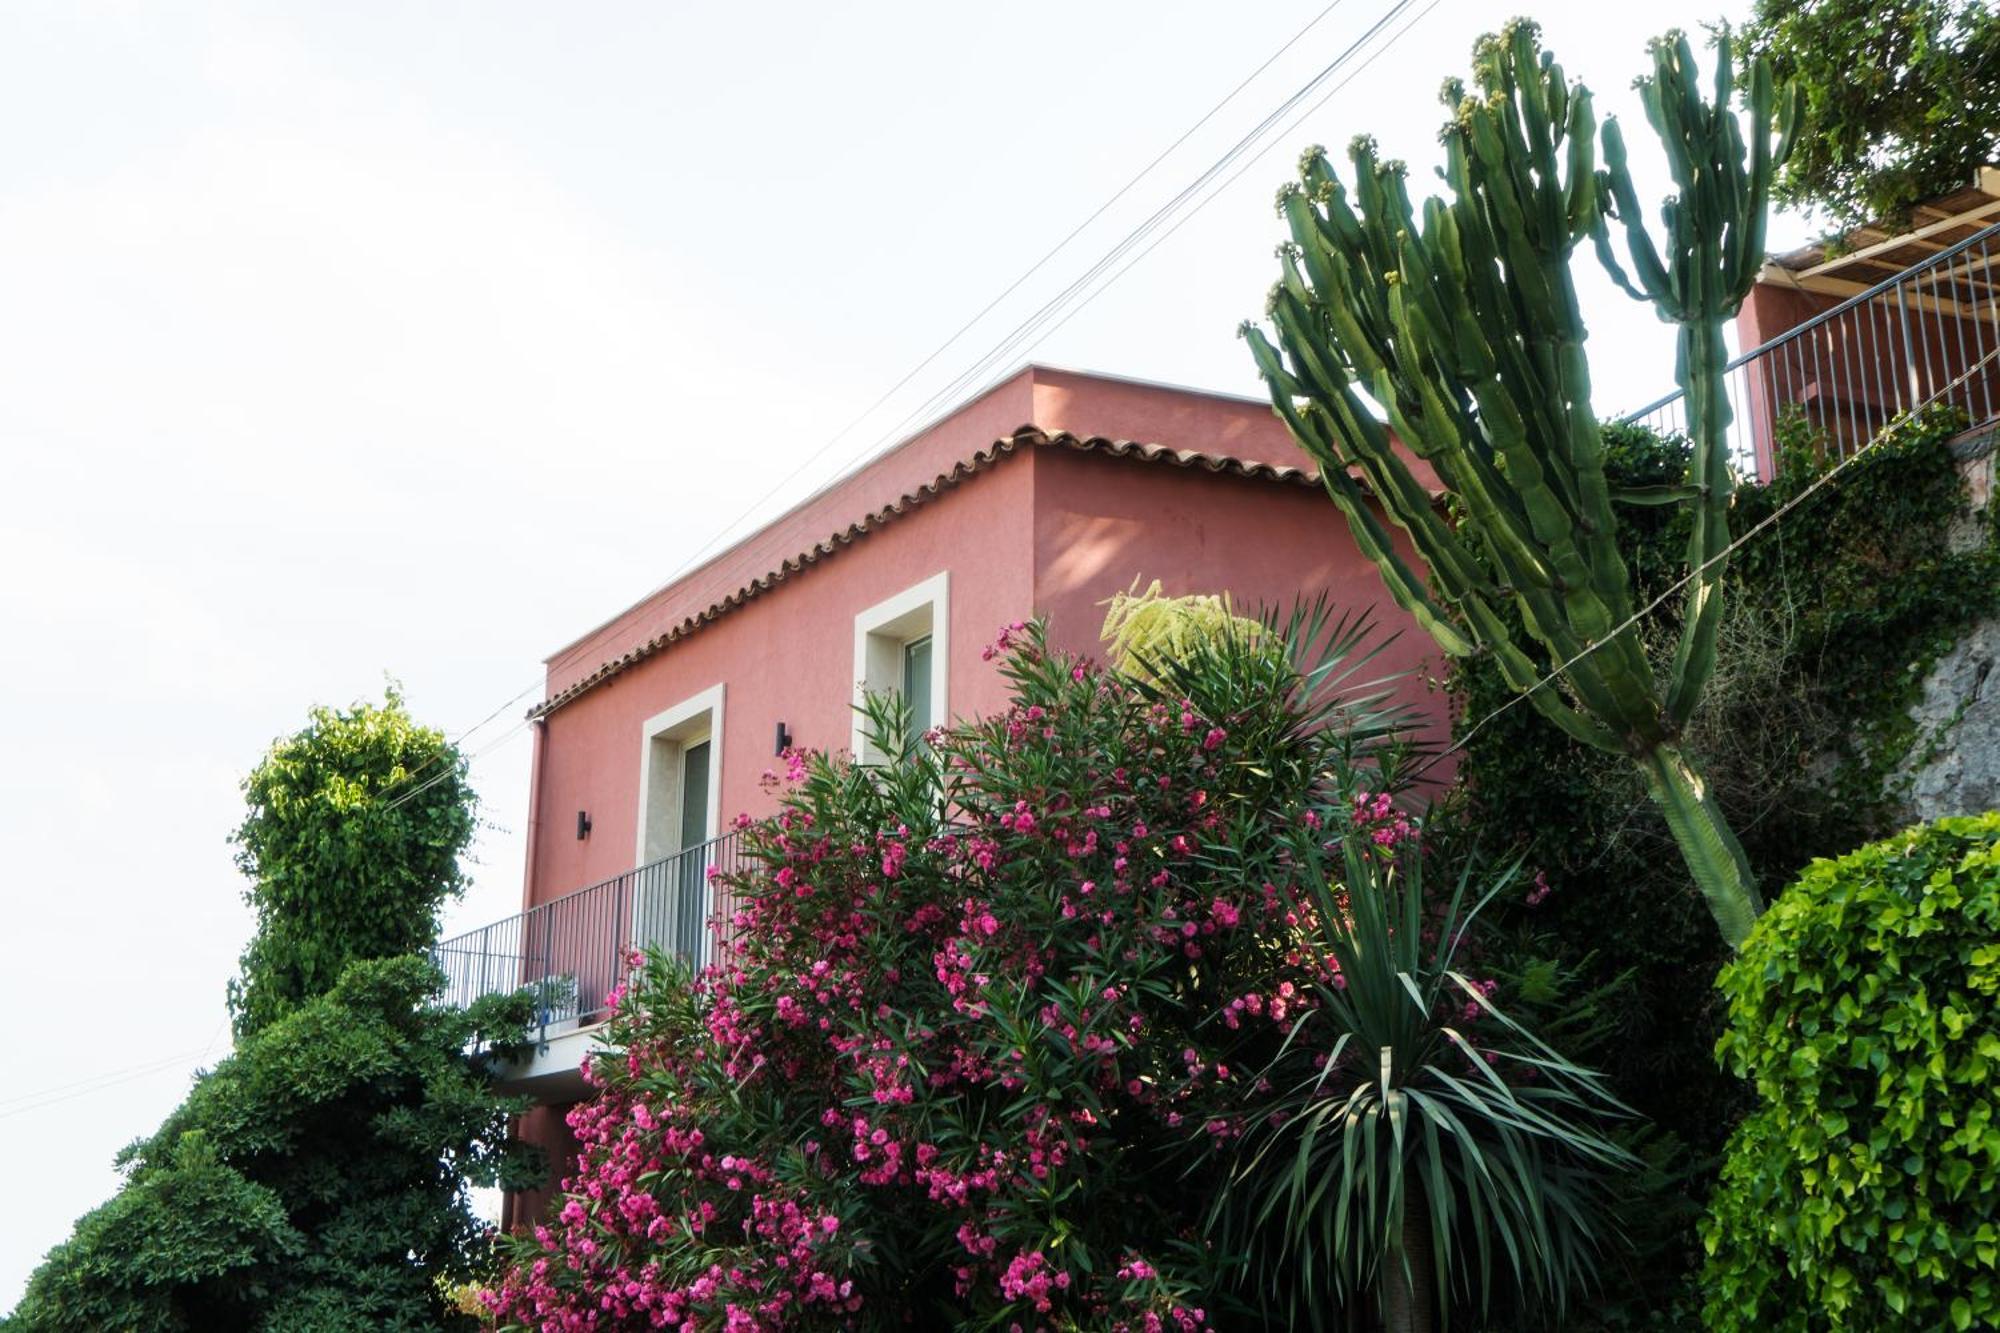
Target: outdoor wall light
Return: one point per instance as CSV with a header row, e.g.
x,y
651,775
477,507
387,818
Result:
x,y
582,825
784,741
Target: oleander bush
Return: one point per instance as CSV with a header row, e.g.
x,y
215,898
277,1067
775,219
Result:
x,y
1865,1008
1005,1013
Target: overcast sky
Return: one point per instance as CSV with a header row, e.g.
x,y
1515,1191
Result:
x,y
417,339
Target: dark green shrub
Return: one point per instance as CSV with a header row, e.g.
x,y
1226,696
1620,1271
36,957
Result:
x,y
1835,614
317,1179
1866,1009
314,1181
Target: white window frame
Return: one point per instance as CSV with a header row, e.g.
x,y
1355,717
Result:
x,y
662,740
879,635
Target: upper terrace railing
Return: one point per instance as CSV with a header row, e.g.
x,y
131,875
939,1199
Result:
x,y
1929,332
572,950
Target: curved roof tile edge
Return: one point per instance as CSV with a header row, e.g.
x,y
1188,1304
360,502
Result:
x,y
981,461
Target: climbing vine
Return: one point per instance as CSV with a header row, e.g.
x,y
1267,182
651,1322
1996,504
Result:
x,y
1837,613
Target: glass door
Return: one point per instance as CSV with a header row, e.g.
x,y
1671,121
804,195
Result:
x,y
691,891
917,687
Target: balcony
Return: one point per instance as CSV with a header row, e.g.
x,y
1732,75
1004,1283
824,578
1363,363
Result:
x,y
1927,333
571,950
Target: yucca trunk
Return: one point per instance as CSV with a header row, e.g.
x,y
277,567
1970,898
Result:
x,y
1407,1278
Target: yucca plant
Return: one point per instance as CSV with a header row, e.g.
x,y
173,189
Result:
x,y
1306,682
1422,1151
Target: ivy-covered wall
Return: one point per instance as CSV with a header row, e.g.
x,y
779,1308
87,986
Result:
x,y
1837,615
1959,704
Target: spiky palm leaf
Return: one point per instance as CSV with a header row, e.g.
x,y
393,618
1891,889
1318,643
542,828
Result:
x,y
1310,675
1475,1152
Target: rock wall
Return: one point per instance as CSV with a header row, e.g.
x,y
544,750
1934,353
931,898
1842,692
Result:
x,y
1957,770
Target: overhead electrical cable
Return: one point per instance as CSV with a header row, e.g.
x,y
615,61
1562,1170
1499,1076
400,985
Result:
x,y
1019,338
1005,292
1054,308
1221,189
23,1103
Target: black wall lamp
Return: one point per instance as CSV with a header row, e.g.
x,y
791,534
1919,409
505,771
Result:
x,y
784,741
582,825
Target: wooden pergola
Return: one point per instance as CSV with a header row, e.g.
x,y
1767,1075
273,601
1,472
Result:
x,y
1870,254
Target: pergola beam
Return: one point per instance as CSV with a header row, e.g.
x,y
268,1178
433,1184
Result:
x,y
1969,217
1826,285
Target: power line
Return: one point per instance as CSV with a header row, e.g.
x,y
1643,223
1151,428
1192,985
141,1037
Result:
x,y
1235,176
470,759
1029,333
451,746
1014,339
1028,328
161,1062
65,1092
1005,293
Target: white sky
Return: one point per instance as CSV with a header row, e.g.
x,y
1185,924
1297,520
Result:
x,y
344,340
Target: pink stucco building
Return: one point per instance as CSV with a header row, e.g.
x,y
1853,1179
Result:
x,y
1041,497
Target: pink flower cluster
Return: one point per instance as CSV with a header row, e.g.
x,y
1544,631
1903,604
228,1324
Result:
x,y
1376,816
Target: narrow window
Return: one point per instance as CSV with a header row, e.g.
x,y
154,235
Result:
x,y
691,920
902,647
917,685
694,794
680,774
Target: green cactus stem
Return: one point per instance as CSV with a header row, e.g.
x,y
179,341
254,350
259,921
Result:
x,y
1450,332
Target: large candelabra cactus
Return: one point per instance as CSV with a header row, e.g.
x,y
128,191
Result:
x,y
1454,334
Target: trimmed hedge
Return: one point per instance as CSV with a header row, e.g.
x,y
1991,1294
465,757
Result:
x,y
1864,1192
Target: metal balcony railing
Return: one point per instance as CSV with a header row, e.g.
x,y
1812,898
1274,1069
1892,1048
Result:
x,y
1927,333
571,950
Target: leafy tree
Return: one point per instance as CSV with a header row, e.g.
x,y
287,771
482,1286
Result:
x,y
1452,333
317,1179
314,1182
352,846
1901,99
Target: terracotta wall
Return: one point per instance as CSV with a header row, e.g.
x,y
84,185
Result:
x,y
1853,373
1224,424
1055,533
1100,523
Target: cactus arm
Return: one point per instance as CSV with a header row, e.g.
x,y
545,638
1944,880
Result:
x,y
1600,238
1655,283
1655,495
1405,587
1714,237
1578,726
1459,331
